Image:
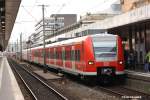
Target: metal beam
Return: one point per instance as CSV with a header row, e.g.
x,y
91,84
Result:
x,y
8,13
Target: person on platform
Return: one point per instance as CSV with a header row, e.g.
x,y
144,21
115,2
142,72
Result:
x,y
126,55
147,62
131,60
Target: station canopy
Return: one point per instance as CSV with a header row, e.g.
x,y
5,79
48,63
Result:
x,y
136,15
8,13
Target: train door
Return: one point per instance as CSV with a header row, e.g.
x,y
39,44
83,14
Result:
x,y
49,53
73,57
68,63
77,52
39,55
59,57
51,61
63,56
54,56
30,55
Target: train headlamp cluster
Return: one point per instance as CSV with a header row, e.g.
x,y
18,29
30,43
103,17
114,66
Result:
x,y
91,62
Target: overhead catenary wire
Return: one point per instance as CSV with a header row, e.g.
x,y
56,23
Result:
x,y
29,13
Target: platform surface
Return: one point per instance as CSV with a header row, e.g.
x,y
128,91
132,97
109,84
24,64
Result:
x,y
138,81
138,75
47,75
9,88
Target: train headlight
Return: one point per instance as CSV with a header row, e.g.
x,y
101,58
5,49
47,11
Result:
x,y
91,62
120,62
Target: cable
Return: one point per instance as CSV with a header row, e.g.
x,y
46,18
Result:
x,y
29,13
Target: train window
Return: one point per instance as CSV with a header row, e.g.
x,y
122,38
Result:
x,y
58,55
47,54
54,54
67,55
51,55
36,53
63,55
42,53
73,55
77,55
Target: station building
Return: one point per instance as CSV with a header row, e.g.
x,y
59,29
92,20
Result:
x,y
134,28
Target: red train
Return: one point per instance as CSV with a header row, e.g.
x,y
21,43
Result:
x,y
93,55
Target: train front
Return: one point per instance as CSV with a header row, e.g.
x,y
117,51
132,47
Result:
x,y
108,55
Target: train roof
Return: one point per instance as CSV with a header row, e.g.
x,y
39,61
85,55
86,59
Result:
x,y
75,40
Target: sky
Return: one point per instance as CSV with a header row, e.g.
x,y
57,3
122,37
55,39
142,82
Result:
x,y
30,12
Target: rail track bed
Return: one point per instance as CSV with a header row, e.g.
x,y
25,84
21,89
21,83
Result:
x,y
73,85
38,88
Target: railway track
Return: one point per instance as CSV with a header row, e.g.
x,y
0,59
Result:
x,y
38,88
119,91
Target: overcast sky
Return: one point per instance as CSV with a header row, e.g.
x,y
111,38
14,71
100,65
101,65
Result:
x,y
30,12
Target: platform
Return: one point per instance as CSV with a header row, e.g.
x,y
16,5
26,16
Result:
x,y
138,81
9,88
48,75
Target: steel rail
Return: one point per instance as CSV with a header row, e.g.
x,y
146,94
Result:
x,y
45,84
10,62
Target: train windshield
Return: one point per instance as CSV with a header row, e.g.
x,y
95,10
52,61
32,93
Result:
x,y
105,49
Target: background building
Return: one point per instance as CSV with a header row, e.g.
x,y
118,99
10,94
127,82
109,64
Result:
x,y
52,24
128,5
79,29
67,19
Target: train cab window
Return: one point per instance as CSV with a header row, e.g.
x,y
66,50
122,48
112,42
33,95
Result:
x,y
105,49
